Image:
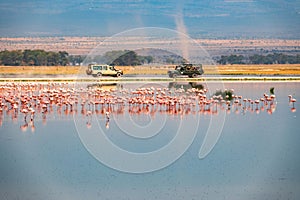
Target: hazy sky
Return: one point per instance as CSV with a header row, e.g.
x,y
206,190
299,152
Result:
x,y
200,18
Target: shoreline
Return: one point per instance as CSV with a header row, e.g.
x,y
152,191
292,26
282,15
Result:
x,y
155,79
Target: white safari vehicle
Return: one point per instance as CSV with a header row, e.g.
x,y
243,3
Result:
x,y
97,70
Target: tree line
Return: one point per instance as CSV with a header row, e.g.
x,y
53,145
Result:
x,y
34,58
62,58
131,58
120,58
275,58
125,58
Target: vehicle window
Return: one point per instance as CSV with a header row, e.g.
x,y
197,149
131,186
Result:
x,y
188,67
104,67
97,67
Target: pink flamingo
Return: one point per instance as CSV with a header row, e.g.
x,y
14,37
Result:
x,y
293,101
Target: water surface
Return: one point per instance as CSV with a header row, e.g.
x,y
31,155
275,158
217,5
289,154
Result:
x,y
256,156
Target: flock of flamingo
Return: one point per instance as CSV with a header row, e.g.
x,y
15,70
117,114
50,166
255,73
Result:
x,y
37,100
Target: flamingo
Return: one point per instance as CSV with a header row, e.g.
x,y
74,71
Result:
x,y
293,101
107,115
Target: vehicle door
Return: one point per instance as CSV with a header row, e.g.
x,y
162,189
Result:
x,y
105,70
112,70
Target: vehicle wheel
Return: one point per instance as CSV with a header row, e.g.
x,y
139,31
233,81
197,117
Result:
x,y
99,74
174,75
119,75
94,75
194,75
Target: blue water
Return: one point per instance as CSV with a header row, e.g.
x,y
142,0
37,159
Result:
x,y
256,156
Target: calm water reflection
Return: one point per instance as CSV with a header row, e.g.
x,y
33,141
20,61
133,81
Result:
x,y
256,156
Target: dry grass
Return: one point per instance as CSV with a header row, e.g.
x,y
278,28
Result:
x,y
153,70
278,69
43,70
275,69
72,70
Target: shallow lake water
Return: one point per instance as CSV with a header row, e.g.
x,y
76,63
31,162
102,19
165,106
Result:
x,y
249,150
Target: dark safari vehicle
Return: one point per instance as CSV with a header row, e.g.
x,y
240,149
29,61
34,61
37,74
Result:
x,y
191,70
